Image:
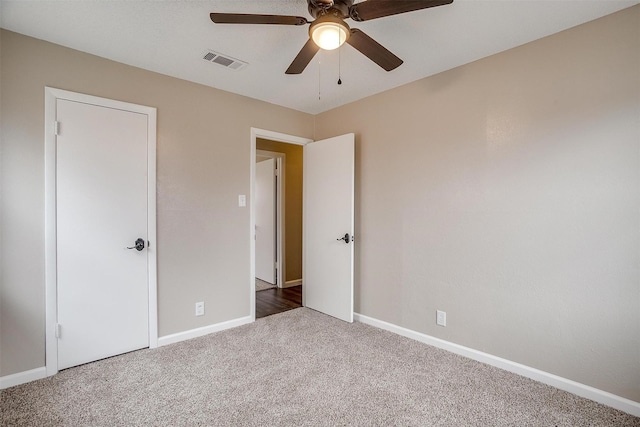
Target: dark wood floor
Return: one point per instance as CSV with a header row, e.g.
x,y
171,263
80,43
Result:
x,y
273,301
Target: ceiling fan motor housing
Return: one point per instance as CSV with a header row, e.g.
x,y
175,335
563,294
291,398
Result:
x,y
322,3
337,8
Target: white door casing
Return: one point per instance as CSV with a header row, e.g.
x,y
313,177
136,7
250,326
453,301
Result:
x,y
100,197
328,262
266,221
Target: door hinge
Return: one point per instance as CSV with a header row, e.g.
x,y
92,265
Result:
x,y
275,264
56,128
58,330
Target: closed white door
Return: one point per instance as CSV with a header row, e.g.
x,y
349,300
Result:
x,y
266,221
101,208
328,179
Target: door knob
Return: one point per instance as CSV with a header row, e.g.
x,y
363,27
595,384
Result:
x,y
139,245
346,238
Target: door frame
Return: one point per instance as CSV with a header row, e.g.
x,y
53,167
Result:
x,y
272,136
280,213
50,238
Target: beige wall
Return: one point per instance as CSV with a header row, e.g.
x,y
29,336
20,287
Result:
x,y
293,204
203,164
507,193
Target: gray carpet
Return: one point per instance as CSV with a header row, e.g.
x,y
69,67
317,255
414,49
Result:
x,y
261,285
297,368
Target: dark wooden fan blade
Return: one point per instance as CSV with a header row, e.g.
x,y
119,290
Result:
x,y
374,9
373,50
243,18
305,56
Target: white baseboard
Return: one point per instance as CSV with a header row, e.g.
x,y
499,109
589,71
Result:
x,y
582,390
22,377
205,330
290,283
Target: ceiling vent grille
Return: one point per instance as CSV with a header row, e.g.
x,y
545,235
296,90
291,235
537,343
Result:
x,y
223,60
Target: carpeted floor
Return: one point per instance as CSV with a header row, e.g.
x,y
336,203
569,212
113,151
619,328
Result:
x,y
297,368
261,285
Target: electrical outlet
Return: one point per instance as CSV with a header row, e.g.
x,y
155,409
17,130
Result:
x,y
200,308
441,318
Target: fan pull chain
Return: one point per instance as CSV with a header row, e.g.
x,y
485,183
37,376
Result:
x,y
319,63
340,61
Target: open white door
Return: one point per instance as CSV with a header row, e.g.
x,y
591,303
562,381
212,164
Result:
x,y
266,221
329,226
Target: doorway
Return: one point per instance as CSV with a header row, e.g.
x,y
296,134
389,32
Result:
x,y
272,206
287,152
278,228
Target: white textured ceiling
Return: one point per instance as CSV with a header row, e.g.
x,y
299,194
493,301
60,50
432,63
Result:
x,y
170,37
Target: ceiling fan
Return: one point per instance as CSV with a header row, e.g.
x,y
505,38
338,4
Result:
x,y
329,31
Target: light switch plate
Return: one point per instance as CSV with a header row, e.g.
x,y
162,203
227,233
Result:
x,y
200,308
441,318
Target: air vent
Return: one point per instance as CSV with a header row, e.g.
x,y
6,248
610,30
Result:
x,y
223,60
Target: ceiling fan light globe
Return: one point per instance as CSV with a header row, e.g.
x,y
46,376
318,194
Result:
x,y
329,35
